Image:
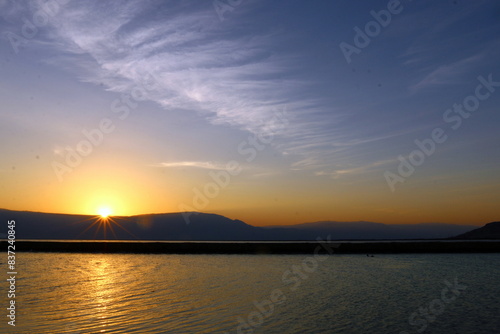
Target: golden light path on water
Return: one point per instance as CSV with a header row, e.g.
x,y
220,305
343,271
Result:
x,y
94,293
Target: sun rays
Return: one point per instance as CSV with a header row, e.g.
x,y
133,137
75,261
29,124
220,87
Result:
x,y
104,226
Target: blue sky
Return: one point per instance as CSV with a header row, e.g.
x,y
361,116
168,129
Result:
x,y
203,85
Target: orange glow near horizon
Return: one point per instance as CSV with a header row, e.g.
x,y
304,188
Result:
x,y
125,187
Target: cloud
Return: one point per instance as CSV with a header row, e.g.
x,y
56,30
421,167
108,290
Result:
x,y
336,173
447,74
194,164
198,67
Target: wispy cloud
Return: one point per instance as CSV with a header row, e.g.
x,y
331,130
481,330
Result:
x,y
194,164
447,74
197,67
336,173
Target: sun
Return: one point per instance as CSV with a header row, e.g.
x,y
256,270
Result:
x,y
104,211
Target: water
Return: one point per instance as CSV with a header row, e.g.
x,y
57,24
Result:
x,y
130,293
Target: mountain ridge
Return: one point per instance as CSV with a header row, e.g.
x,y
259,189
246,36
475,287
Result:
x,y
210,227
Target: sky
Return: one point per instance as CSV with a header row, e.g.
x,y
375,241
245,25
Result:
x,y
273,113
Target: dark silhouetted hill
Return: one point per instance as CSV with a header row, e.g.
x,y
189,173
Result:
x,y
490,231
207,227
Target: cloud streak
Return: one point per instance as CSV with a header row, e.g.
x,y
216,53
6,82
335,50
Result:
x,y
448,74
374,166
193,164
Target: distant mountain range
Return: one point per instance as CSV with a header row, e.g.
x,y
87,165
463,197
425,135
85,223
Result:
x,y
203,226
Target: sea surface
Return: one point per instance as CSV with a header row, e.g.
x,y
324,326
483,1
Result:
x,y
136,293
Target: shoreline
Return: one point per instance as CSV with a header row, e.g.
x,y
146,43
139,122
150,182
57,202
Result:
x,y
255,247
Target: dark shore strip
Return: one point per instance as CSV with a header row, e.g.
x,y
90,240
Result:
x,y
193,247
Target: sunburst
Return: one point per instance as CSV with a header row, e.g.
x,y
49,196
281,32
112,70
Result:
x,y
103,223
